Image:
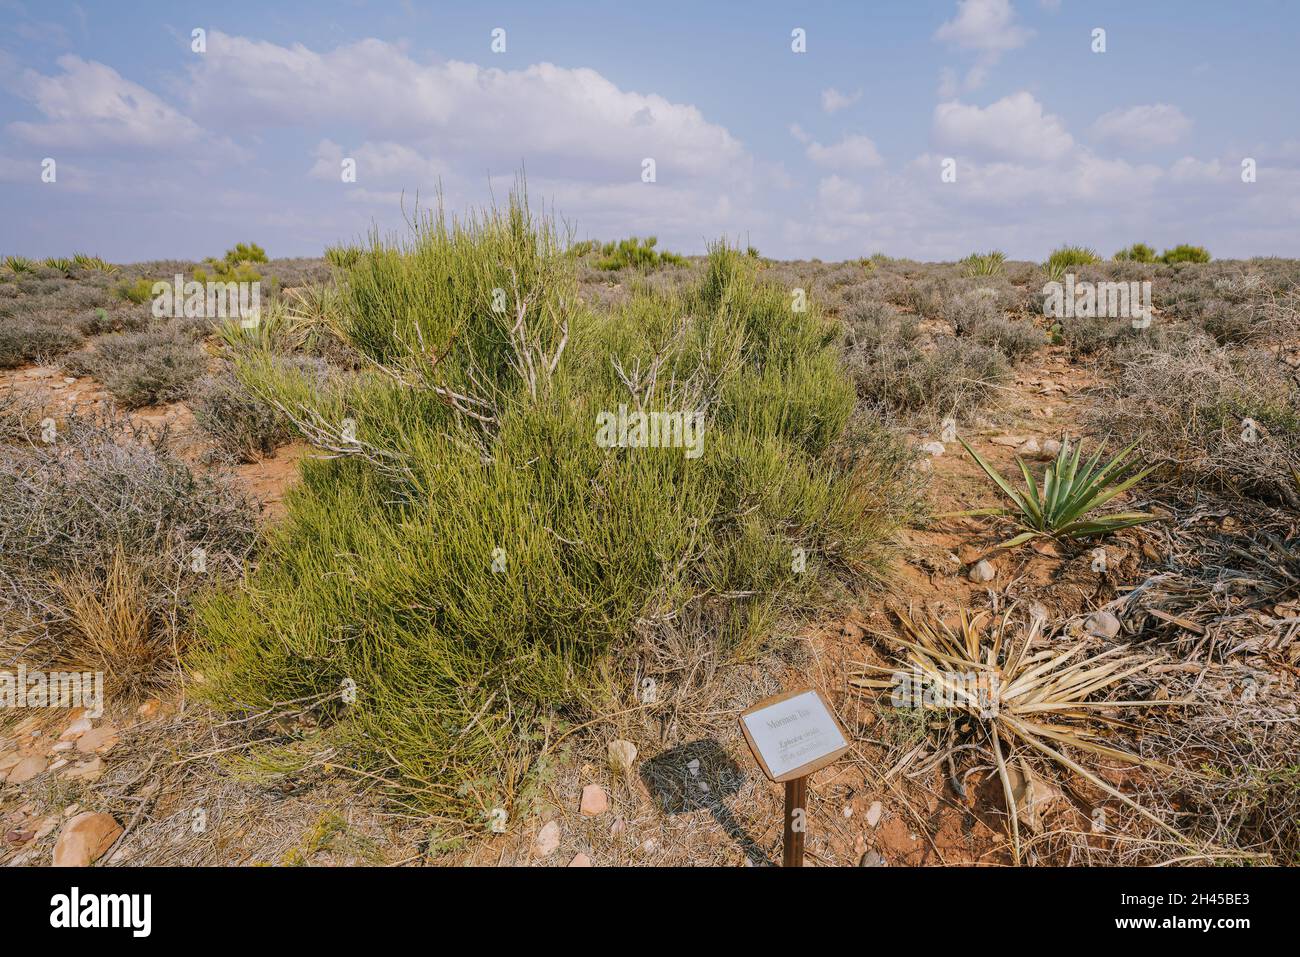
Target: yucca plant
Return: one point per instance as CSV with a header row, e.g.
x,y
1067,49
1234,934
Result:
x,y
1017,698
1063,507
58,263
1066,258
19,264
984,264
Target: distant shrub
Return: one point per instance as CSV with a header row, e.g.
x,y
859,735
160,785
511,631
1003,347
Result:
x,y
138,292
1066,258
100,321
156,364
1016,338
236,266
1137,253
92,263
31,337
984,264
634,253
19,264
892,370
1184,253
969,311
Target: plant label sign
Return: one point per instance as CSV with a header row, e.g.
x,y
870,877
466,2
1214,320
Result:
x,y
793,734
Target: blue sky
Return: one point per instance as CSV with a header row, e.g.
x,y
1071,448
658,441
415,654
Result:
x,y
836,152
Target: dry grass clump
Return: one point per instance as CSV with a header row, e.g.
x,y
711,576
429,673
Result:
x,y
1209,417
98,532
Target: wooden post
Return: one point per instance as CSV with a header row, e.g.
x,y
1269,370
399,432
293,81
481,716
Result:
x,y
796,795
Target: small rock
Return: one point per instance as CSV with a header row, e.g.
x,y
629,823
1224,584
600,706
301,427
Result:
x,y
580,860
873,813
622,755
1101,624
1032,795
61,763
85,839
548,839
848,810
1010,441
933,448
26,769
71,809
7,761
63,746
1050,448
99,739
92,770
1028,447
982,571
76,729
46,826
594,800
872,859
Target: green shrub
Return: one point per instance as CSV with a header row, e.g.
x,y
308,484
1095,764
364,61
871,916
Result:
x,y
1183,253
984,264
138,292
1066,258
1137,253
92,263
342,257
473,562
19,264
634,253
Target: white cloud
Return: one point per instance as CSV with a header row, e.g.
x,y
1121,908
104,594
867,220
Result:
x,y
986,27
833,100
1142,127
852,152
383,162
1015,127
90,105
574,119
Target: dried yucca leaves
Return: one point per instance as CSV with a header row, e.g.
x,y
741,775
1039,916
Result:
x,y
1019,698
